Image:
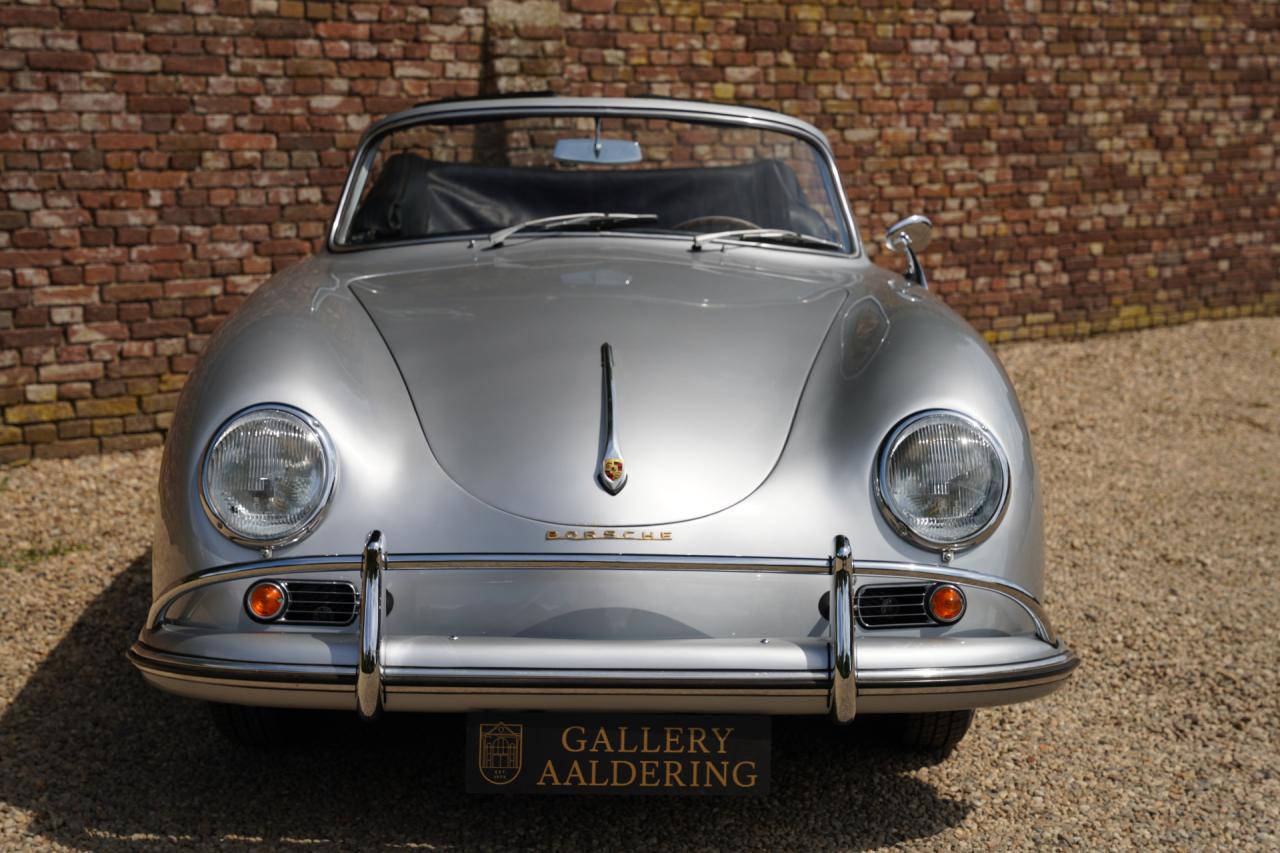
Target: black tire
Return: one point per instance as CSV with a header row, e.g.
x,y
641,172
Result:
x,y
935,734
259,728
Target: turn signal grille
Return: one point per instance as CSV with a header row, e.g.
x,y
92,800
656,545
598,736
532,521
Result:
x,y
320,603
897,606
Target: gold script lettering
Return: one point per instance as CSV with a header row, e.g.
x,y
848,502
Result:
x,y
737,768
580,740
601,743
630,780
697,736
672,739
721,737
549,770
622,740
645,746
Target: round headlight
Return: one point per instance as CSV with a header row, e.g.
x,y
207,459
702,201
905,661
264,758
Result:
x,y
943,479
267,476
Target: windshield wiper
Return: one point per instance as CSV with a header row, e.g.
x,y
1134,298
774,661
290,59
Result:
x,y
599,220
766,235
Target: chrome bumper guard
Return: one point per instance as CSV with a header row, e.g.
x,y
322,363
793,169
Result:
x,y
843,683
844,678
369,691
843,701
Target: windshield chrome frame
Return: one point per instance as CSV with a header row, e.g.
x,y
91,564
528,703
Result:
x,y
500,108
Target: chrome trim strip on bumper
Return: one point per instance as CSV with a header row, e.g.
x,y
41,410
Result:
x,y
369,678
968,678
400,677
874,682
436,562
980,580
844,683
943,574
157,662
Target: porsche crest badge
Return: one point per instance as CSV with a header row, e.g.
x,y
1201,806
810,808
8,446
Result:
x,y
613,468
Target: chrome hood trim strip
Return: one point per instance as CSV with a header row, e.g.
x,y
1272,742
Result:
x,y
612,471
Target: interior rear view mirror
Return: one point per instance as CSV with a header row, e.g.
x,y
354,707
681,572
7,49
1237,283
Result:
x,y
600,151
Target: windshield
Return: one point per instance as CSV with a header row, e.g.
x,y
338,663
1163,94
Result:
x,y
477,177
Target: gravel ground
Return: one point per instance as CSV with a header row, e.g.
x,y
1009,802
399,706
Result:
x,y
1159,459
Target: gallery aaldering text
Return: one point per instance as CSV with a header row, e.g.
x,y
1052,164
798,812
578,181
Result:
x,y
690,741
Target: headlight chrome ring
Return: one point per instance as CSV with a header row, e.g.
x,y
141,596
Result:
x,y
899,519
306,435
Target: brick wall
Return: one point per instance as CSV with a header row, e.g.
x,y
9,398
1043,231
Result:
x,y
1093,166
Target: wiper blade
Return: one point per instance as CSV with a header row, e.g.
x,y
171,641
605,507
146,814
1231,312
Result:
x,y
766,235
497,238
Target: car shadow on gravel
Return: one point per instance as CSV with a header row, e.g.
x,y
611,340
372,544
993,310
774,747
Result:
x,y
105,762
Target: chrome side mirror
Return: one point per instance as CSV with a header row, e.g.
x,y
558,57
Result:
x,y
909,236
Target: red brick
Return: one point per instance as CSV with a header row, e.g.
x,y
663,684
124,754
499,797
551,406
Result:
x,y
84,19
247,141
116,141
51,60
28,17
81,371
161,328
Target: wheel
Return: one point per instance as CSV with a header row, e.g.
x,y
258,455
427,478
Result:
x,y
259,728
701,222
935,733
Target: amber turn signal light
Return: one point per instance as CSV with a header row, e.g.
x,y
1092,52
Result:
x,y
946,603
265,601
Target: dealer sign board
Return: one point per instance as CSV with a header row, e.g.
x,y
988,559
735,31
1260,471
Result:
x,y
617,754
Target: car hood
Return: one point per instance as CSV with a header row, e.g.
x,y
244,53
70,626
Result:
x,y
501,353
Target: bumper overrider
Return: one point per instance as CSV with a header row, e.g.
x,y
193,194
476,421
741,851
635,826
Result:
x,y
846,672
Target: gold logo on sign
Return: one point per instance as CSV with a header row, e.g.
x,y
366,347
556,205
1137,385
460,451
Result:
x,y
501,752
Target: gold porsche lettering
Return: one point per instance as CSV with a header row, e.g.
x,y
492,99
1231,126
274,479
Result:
x,y
583,535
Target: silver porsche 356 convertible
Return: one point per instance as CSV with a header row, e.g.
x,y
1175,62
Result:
x,y
597,406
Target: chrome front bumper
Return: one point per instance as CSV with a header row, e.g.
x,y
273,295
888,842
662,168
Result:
x,y
388,675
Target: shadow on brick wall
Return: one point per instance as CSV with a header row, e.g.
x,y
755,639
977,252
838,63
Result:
x,y
107,763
